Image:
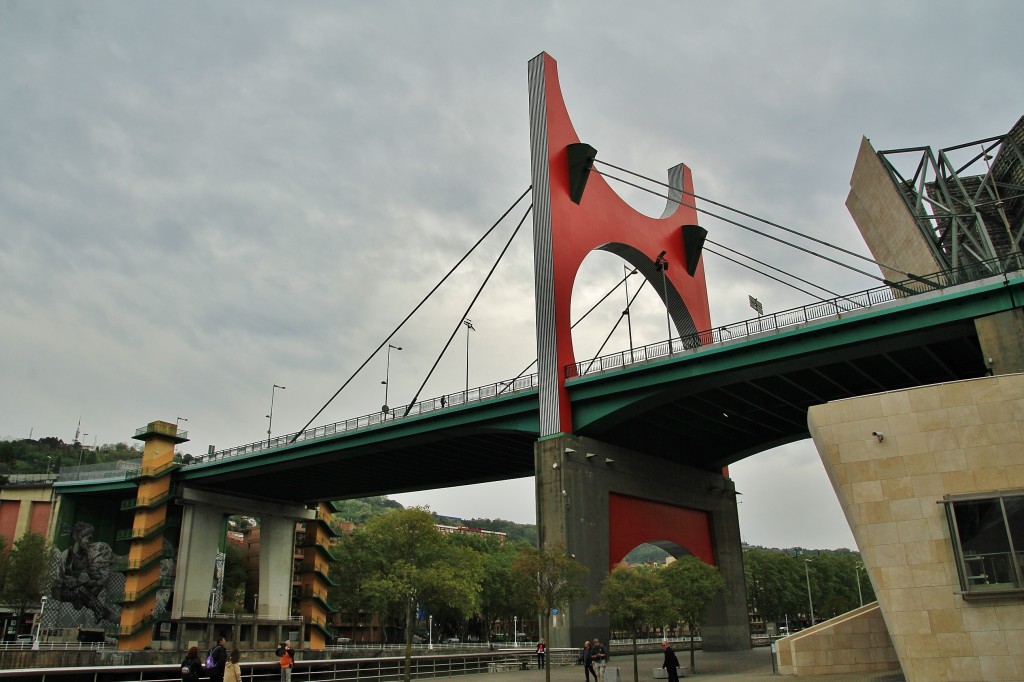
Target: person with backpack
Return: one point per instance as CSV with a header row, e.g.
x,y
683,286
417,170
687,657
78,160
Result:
x,y
191,666
216,660
287,659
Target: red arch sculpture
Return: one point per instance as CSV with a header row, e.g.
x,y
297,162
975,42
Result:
x,y
565,232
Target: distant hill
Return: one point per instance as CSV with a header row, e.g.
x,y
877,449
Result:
x,y
359,510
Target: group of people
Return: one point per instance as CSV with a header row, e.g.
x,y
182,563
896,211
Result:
x,y
594,654
219,666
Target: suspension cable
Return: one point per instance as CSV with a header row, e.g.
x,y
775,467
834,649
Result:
x,y
616,325
414,310
583,317
745,227
749,215
468,308
792,286
772,267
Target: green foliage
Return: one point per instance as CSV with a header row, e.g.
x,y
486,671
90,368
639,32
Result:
x,y
633,598
556,579
26,572
235,575
27,456
693,584
777,583
511,529
411,562
360,510
503,592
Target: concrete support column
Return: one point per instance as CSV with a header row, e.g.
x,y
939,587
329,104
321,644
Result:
x,y
277,550
576,478
202,536
202,528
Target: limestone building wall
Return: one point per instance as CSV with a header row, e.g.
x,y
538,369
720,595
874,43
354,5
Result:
x,y
945,439
884,220
857,642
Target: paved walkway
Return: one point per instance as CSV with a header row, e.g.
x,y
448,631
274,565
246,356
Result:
x,y
754,666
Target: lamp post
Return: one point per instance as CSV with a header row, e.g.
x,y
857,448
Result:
x,y
430,632
810,601
270,424
629,320
515,631
81,451
661,263
860,595
39,625
387,378
469,328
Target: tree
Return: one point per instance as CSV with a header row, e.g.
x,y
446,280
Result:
x,y
774,584
235,576
692,584
28,572
632,598
413,562
503,593
557,581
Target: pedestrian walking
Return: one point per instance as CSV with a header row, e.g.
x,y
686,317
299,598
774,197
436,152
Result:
x,y
588,662
671,663
600,656
233,671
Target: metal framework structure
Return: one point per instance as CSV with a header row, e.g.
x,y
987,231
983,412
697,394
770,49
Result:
x,y
967,200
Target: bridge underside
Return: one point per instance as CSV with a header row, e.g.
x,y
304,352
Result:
x,y
384,468
720,415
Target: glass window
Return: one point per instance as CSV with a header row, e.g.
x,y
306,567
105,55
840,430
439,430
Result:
x,y
986,533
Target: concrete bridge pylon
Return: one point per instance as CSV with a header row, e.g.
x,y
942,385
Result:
x,y
595,499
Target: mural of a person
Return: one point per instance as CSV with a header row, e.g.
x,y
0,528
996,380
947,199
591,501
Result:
x,y
83,572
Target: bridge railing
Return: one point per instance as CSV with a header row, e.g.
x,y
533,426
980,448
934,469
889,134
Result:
x,y
475,394
802,315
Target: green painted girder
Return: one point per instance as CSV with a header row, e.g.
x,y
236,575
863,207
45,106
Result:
x,y
515,413
595,396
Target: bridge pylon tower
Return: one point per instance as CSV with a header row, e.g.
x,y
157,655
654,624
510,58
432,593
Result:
x,y
146,536
313,573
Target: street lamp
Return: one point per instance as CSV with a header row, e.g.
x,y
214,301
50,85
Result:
x,y
515,631
661,263
81,451
809,600
860,595
469,328
430,629
387,378
270,416
39,625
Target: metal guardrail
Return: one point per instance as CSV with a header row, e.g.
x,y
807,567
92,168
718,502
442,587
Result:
x,y
793,317
381,669
448,401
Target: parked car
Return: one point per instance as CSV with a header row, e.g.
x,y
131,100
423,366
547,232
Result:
x,y
24,639
453,640
343,640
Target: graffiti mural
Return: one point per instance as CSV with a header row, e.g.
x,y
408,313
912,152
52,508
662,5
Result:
x,y
85,582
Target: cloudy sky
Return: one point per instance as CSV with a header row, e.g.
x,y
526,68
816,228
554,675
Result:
x,y
200,200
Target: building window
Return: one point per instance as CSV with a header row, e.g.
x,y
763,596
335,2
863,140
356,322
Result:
x,y
988,541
